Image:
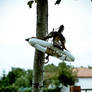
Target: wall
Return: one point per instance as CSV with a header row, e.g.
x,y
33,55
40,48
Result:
x,y
85,83
66,89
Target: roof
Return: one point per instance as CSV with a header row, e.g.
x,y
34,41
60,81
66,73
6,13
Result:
x,y
83,72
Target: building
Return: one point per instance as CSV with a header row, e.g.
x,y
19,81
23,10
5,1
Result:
x,y
85,78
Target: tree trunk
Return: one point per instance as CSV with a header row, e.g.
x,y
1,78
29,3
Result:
x,y
41,30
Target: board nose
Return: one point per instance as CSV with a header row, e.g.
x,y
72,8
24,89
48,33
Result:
x,y
27,39
32,41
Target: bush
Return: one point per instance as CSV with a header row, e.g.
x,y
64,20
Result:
x,y
48,90
25,89
9,89
57,89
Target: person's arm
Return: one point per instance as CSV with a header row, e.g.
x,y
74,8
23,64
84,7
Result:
x,y
63,44
47,37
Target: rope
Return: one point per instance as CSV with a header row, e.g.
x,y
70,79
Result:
x,y
47,58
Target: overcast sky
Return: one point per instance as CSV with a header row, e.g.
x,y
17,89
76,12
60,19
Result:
x,y
18,22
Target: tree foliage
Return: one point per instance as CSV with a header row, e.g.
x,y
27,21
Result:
x,y
61,74
52,74
66,75
90,67
30,3
16,76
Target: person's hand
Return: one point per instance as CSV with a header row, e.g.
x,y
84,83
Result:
x,y
33,37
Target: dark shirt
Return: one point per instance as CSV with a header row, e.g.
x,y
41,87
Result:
x,y
55,34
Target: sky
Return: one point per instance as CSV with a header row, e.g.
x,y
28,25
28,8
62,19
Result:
x,y
18,21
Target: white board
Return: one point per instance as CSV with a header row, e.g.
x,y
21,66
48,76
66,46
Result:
x,y
47,47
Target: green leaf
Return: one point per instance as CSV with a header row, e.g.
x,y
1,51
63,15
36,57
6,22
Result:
x,y
58,2
30,3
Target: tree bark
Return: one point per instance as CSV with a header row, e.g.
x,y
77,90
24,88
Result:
x,y
41,30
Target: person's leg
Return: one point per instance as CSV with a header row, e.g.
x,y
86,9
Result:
x,y
56,45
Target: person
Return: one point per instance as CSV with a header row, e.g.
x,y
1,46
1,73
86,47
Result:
x,y
58,38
